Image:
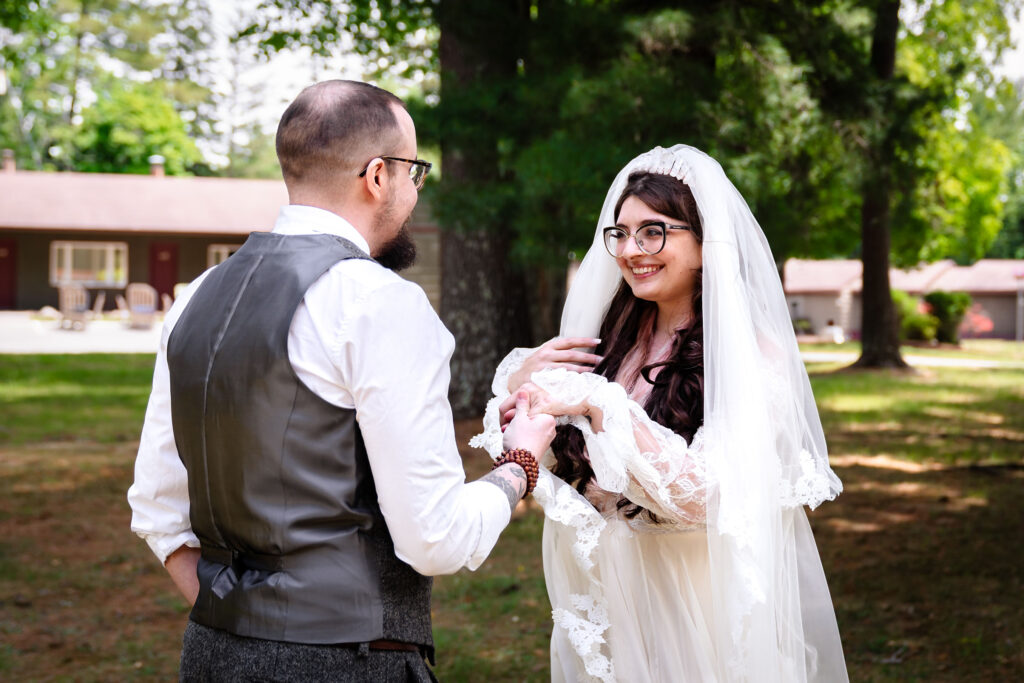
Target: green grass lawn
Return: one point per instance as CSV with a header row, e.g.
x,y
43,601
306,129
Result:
x,y
90,397
922,550
974,349
948,415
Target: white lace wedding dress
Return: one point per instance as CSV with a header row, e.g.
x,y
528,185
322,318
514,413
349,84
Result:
x,y
630,598
729,587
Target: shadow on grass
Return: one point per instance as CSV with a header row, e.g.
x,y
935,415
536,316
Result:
x,y
924,565
952,416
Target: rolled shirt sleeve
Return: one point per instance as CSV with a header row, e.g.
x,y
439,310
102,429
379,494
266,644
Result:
x,y
397,354
159,495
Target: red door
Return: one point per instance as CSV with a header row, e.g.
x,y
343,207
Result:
x,y
163,266
8,273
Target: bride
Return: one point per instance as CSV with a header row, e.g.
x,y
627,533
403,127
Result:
x,y
676,547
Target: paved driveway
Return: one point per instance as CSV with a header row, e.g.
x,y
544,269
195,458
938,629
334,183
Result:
x,y
21,333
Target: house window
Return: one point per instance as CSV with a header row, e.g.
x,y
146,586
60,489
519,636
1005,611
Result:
x,y
91,264
218,253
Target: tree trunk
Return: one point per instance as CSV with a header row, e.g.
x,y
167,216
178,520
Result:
x,y
880,346
483,298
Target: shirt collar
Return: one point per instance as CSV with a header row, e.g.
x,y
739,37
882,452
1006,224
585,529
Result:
x,y
296,219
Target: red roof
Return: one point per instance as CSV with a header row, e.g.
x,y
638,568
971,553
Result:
x,y
838,275
987,275
815,277
33,200
920,279
111,202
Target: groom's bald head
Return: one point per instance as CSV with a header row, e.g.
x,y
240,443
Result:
x,y
333,129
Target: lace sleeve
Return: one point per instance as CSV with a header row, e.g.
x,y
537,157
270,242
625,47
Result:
x,y
648,463
490,438
512,362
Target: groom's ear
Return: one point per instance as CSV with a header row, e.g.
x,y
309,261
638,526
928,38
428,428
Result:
x,y
375,179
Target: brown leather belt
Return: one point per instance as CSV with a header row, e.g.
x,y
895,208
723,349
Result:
x,y
392,645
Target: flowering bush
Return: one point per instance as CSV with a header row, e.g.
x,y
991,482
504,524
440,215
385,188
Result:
x,y
976,323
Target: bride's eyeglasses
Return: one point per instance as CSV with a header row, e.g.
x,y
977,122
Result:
x,y
650,237
417,171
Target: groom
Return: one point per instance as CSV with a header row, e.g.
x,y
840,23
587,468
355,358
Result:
x,y
297,472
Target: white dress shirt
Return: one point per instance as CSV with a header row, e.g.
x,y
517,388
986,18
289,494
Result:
x,y
362,338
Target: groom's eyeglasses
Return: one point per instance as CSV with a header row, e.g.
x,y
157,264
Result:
x,y
417,171
650,237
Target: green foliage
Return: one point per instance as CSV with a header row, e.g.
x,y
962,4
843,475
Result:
x,y
1002,115
952,167
39,69
397,37
1009,243
727,88
64,54
16,14
949,309
120,132
915,324
782,96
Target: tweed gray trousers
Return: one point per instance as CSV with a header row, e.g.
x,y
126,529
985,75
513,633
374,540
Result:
x,y
213,655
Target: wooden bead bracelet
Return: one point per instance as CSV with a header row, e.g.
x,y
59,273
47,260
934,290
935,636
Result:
x,y
524,459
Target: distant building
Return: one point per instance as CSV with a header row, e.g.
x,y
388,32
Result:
x,y
107,230
819,291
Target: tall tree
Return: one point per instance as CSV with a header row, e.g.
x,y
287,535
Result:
x,y
120,132
480,304
60,56
880,344
482,299
532,126
900,78
823,115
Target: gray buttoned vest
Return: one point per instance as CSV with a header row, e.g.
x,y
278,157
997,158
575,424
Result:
x,y
294,546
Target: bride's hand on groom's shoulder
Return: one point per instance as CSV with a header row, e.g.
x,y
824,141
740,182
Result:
x,y
559,352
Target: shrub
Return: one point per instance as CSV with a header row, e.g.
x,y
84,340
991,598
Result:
x,y
802,326
915,324
949,308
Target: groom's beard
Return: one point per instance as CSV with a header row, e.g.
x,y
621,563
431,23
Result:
x,y
399,253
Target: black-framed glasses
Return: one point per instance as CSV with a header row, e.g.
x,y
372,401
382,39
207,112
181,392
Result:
x,y
650,237
417,171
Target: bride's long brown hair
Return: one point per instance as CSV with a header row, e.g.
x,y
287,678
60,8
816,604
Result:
x,y
676,399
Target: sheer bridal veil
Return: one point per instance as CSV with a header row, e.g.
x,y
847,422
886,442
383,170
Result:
x,y
764,444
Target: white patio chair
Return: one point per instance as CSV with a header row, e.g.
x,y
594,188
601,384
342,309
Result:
x,y
74,306
142,305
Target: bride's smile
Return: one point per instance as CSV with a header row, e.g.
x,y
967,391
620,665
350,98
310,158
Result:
x,y
667,277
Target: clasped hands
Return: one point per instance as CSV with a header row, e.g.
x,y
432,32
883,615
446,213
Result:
x,y
559,352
